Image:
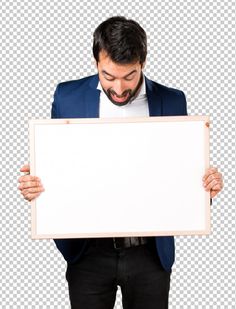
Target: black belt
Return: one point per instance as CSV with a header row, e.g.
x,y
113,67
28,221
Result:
x,y
118,243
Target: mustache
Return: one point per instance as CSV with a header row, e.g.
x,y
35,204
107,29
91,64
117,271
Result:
x,y
111,91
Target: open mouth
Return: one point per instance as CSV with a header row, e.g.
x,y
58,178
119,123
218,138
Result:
x,y
120,99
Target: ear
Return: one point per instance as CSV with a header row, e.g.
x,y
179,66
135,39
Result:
x,y
143,65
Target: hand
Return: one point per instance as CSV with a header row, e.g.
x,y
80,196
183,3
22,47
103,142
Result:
x,y
212,181
30,186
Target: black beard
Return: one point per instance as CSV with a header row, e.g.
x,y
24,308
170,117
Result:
x,y
131,93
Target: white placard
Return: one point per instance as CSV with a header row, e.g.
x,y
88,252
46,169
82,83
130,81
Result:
x,y
120,177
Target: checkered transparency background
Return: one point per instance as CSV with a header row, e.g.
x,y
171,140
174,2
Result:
x,y
191,46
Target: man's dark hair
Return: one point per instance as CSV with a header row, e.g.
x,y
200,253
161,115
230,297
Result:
x,y
124,40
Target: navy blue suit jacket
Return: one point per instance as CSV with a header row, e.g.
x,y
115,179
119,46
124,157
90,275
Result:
x,y
80,99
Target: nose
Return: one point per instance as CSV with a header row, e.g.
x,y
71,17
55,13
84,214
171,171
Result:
x,y
119,87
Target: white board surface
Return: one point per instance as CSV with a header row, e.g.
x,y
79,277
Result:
x,y
120,177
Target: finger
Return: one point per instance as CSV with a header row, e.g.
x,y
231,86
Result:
x,y
211,178
210,171
28,178
30,184
32,190
217,187
31,196
25,168
213,193
215,190
211,184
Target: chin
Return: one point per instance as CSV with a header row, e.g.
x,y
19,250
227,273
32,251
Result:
x,y
120,103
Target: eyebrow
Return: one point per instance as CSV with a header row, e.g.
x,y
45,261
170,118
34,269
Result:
x,y
105,72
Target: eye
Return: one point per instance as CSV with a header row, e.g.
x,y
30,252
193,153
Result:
x,y
128,78
109,79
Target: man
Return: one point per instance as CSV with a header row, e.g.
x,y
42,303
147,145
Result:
x,y
141,266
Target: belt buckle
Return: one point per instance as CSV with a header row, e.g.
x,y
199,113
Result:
x,y
115,245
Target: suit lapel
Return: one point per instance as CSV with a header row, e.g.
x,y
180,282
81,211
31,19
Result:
x,y
154,98
92,97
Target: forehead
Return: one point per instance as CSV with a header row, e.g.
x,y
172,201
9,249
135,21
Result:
x,y
106,64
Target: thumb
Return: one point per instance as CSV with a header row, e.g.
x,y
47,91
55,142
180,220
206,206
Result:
x,y
25,168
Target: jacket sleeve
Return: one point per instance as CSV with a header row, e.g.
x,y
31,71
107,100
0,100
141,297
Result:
x,y
55,104
184,104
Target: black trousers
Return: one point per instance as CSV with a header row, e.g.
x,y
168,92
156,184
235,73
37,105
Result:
x,y
93,280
